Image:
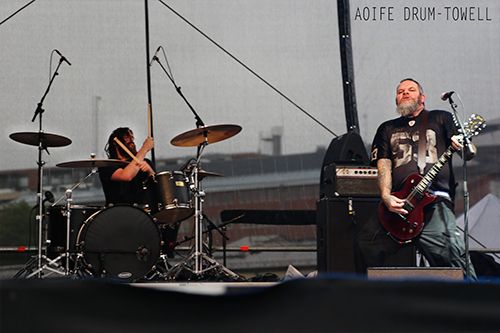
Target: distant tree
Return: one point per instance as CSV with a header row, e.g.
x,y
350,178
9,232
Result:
x,y
17,222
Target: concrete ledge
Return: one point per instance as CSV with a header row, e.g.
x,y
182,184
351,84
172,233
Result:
x,y
446,273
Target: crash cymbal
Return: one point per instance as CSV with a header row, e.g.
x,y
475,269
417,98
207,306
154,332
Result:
x,y
210,134
92,163
47,139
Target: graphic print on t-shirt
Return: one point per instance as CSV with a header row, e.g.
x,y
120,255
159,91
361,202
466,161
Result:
x,y
404,147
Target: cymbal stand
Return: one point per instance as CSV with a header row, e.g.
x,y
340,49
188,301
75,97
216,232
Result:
x,y
39,112
201,262
69,200
199,196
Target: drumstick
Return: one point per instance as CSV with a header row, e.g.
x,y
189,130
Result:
x,y
126,150
149,120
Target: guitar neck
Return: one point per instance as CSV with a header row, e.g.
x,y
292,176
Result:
x,y
472,127
426,181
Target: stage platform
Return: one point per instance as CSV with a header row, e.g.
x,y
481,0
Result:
x,y
325,304
206,288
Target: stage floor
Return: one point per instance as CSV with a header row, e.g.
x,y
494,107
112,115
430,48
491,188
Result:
x,y
325,304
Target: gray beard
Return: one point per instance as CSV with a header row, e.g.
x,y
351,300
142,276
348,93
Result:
x,y
407,109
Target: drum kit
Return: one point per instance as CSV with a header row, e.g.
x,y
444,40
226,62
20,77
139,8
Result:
x,y
124,242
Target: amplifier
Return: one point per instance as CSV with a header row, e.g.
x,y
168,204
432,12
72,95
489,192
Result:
x,y
358,172
348,181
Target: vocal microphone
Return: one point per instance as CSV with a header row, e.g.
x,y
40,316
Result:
x,y
63,58
154,57
446,95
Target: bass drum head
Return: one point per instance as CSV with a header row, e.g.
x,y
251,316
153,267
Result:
x,y
120,242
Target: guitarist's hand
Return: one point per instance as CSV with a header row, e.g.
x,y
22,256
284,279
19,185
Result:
x,y
456,142
394,204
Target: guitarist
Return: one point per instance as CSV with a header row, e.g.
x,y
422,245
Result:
x,y
396,153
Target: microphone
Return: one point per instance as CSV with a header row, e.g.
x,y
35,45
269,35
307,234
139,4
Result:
x,y
154,57
446,95
63,58
49,197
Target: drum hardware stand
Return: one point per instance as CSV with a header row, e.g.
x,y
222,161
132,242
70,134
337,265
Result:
x,y
74,187
39,218
198,257
68,195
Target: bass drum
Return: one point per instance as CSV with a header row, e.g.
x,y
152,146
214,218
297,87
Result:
x,y
119,242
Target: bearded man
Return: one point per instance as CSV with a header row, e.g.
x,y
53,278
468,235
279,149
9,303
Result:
x,y
125,184
397,153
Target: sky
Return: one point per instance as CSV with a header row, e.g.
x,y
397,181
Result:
x,y
293,44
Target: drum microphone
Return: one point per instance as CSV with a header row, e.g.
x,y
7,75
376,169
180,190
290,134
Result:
x,y
48,197
63,58
446,95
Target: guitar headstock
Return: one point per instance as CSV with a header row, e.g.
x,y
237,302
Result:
x,y
474,125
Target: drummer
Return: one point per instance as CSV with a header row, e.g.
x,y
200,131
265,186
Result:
x,y
124,185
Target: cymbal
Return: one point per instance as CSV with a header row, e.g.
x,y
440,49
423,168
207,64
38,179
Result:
x,y
47,139
203,173
92,163
210,134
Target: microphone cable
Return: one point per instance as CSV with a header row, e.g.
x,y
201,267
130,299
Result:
x,y
249,69
17,11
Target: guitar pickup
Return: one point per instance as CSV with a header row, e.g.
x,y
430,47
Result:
x,y
408,206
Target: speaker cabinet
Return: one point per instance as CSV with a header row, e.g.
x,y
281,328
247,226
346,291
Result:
x,y
338,222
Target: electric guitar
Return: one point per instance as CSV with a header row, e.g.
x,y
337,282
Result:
x,y
403,228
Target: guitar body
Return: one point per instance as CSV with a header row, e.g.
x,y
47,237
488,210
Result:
x,y
404,228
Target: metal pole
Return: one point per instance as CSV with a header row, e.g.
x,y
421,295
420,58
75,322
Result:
x,y
350,107
148,79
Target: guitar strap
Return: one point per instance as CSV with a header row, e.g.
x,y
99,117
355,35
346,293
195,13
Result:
x,y
422,141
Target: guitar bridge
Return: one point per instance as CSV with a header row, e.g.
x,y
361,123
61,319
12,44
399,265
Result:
x,y
411,224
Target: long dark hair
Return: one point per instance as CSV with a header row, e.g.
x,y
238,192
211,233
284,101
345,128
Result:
x,y
112,147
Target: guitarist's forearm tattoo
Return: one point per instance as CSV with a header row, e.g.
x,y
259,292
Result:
x,y
384,167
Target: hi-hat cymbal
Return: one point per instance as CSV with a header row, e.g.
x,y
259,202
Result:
x,y
208,134
203,173
92,163
47,139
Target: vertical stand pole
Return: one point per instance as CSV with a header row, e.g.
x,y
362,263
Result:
x,y
69,200
148,80
39,216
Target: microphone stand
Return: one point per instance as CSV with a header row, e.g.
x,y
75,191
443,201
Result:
x,y
198,256
466,145
39,113
199,122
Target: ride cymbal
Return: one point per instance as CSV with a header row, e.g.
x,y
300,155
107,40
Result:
x,y
208,134
92,163
34,138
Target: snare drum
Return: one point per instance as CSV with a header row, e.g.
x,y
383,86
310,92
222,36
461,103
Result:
x,y
173,197
119,242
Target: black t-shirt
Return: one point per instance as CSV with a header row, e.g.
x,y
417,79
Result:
x,y
120,192
397,140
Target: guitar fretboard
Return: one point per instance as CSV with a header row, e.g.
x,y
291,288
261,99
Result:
x,y
433,172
